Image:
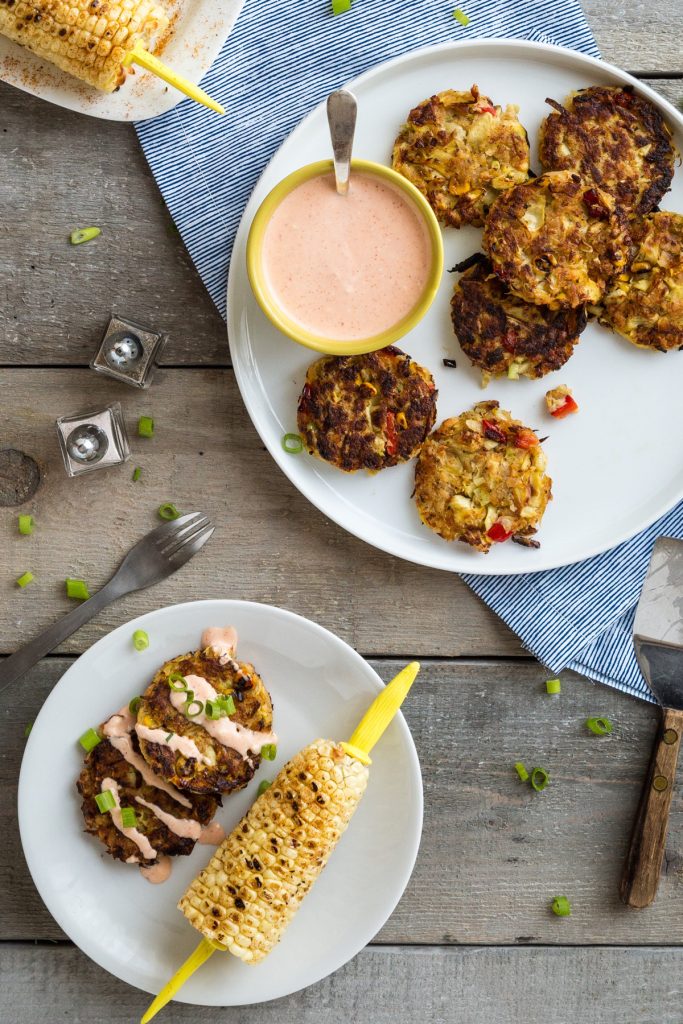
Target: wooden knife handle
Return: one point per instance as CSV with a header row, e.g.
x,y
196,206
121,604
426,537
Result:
x,y
644,860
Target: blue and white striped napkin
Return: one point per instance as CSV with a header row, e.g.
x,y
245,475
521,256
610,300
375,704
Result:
x,y
280,61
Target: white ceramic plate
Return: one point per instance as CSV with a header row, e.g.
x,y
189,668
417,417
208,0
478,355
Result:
x,y
615,466
200,27
320,687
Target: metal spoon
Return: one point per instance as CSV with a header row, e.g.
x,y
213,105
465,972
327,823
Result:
x,y
341,117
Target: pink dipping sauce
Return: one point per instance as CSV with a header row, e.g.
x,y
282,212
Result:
x,y
347,267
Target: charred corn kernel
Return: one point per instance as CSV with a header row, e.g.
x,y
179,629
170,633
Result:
x,y
255,881
402,421
460,189
369,387
86,38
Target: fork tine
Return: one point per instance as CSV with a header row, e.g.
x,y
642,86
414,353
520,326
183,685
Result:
x,y
169,529
188,535
191,547
173,537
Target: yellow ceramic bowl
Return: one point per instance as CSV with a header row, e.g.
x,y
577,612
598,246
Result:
x,y
274,310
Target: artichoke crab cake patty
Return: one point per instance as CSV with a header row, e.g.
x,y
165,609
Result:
x,y
105,762
615,137
480,478
366,412
505,336
645,302
556,240
461,151
220,768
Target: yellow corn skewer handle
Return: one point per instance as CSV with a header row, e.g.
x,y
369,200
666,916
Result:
x,y
147,60
370,728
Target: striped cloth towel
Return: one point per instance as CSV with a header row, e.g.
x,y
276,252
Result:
x,y
280,61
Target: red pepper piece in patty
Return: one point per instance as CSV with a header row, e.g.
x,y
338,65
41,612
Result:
x,y
595,205
525,438
497,533
492,431
567,407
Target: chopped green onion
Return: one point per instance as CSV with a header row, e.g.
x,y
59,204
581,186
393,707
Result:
x,y
263,786
553,686
27,730
168,511
539,779
169,736
24,580
177,682
561,906
81,235
89,739
340,6
129,818
226,704
105,801
137,473
599,726
269,752
292,444
146,426
521,771
194,704
140,640
77,589
212,711
189,695
461,17
25,525
134,705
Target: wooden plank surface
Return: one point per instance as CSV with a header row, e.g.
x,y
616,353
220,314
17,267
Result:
x,y
43,985
55,299
493,852
270,544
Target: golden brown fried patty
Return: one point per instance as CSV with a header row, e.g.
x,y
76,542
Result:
x,y
461,151
366,412
615,137
505,336
556,240
480,478
645,302
227,770
105,762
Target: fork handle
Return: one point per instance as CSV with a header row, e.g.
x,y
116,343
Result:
x,y
13,668
643,865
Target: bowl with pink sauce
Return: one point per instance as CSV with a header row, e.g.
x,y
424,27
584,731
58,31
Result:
x,y
345,274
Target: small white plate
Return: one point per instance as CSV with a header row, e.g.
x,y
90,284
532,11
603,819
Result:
x,y
320,687
616,466
199,29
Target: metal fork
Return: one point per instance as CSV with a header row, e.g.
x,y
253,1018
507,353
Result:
x,y
151,560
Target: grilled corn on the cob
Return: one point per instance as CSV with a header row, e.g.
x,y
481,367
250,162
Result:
x,y
86,38
254,883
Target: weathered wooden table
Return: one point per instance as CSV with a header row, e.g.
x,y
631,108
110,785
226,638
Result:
x,y
473,939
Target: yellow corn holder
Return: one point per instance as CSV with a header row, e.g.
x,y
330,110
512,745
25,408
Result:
x,y
365,736
147,60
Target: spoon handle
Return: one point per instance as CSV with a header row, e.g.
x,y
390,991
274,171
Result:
x,y
341,116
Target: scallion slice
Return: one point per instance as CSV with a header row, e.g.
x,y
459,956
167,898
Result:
x,y
145,426
140,640
78,589
105,801
169,736
461,17
553,686
539,779
599,726
269,752
263,786
25,525
134,705
293,443
521,771
213,711
25,579
27,730
561,906
226,704
194,708
177,682
129,818
81,235
137,473
89,739
340,6
168,511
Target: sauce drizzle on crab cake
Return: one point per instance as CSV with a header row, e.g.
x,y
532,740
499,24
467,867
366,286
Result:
x,y
461,151
557,240
366,412
502,334
615,137
198,751
481,479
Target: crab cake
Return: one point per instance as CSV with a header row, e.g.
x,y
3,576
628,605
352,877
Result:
x,y
197,753
366,412
461,151
645,303
505,336
481,479
556,240
615,137
151,806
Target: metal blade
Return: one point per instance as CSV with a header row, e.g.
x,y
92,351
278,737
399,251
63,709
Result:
x,y
658,625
